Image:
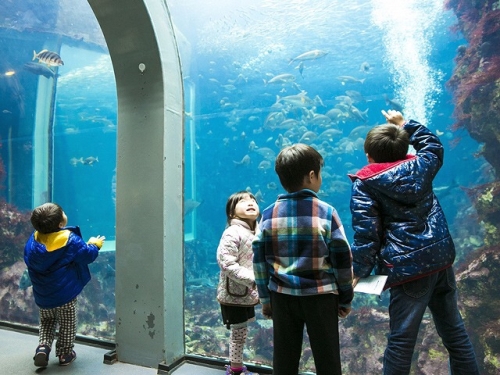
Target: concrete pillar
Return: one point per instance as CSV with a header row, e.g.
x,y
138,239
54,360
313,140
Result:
x,y
149,220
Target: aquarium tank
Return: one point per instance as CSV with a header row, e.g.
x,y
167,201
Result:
x,y
257,76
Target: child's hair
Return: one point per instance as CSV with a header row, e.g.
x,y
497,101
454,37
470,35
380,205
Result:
x,y
295,162
387,143
47,217
233,201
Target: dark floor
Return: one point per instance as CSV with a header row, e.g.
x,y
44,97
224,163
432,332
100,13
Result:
x,y
17,349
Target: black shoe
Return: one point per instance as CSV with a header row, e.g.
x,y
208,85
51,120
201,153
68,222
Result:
x,y
66,359
41,357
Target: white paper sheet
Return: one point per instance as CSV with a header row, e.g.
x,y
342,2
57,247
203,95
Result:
x,y
372,284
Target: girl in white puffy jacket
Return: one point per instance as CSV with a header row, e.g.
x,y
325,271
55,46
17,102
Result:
x,y
236,291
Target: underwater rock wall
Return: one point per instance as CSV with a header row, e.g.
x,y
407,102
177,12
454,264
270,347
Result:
x,y
475,85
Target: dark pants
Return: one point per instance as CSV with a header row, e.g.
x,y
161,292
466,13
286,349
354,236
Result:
x,y
407,307
320,315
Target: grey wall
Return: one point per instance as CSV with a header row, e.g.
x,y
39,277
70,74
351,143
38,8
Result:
x,y
149,220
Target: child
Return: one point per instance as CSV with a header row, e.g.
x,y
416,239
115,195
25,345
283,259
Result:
x,y
303,266
57,260
236,291
401,231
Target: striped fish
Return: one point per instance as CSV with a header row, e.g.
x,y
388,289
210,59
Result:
x,y
48,57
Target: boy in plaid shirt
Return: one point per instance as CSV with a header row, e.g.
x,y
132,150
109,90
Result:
x,y
303,266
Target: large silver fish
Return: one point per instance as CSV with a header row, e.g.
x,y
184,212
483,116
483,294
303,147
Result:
x,y
281,78
349,79
39,69
190,205
310,55
299,100
48,57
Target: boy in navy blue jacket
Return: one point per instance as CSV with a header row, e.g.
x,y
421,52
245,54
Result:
x,y
57,260
401,231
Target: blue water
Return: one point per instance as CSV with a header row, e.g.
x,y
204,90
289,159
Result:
x,y
403,52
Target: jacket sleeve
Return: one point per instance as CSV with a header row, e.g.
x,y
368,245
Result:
x,y
368,231
428,146
260,267
228,258
82,252
341,257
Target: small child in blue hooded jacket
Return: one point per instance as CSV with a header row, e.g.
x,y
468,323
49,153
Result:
x,y
401,231
57,260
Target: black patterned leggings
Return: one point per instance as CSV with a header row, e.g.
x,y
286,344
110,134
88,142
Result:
x,y
65,316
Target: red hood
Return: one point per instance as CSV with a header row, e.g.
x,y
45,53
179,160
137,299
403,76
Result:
x,y
373,169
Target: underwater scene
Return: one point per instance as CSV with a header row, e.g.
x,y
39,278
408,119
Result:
x,y
258,76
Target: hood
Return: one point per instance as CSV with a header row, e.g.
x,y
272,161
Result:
x,y
399,180
42,250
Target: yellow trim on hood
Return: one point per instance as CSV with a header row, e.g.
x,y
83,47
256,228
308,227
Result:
x,y
53,241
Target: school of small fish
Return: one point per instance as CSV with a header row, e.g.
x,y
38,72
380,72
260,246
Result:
x,y
336,127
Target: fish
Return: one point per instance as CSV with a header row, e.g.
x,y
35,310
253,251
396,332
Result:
x,y
266,152
48,57
330,134
190,205
359,132
359,115
443,191
318,101
281,78
308,137
299,100
349,79
394,104
286,124
39,69
252,146
259,197
272,186
90,160
365,67
300,67
355,96
310,55
25,281
335,114
320,120
244,161
272,119
264,165
75,161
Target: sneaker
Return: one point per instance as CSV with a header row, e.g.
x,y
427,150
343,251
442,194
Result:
x,y
41,357
66,359
244,371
